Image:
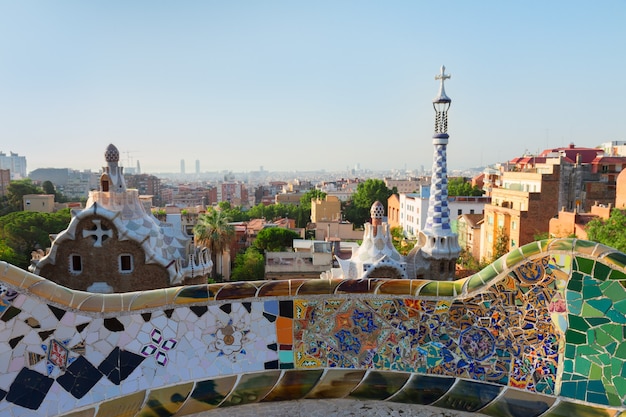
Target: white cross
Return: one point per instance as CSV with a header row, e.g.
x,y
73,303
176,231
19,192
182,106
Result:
x,y
442,76
98,233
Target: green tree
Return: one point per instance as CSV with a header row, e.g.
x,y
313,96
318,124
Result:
x,y
610,232
249,266
459,186
215,232
502,244
48,187
21,232
305,200
357,210
15,193
399,241
275,239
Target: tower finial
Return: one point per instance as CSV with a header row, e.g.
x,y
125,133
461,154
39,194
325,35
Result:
x,y
441,96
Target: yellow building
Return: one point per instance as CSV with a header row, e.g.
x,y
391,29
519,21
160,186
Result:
x,y
42,203
325,210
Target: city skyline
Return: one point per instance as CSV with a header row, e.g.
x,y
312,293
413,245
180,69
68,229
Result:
x,y
303,86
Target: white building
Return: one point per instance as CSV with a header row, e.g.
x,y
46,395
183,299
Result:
x,y
15,163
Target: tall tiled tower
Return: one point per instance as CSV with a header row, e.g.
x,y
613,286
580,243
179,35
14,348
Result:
x,y
440,244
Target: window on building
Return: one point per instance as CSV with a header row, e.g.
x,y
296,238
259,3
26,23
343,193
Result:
x,y
76,264
471,211
513,225
126,263
459,212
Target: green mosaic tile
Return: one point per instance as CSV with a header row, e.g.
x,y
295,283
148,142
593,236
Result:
x,y
575,306
474,283
568,366
543,244
570,351
577,323
616,258
591,290
618,275
601,271
589,311
459,284
616,316
446,289
620,306
429,290
499,265
575,337
603,338
530,249
583,366
620,385
603,305
584,265
575,283
595,371
514,257
613,290
488,274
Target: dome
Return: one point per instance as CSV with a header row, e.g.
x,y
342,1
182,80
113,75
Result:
x,y
112,154
378,210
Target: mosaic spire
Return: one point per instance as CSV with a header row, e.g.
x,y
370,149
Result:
x,y
442,241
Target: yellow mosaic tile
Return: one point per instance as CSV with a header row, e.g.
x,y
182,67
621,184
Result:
x,y
236,291
62,295
148,299
561,245
165,400
352,286
112,303
396,287
127,300
43,289
90,412
170,294
18,277
584,247
294,385
126,406
94,303
192,294
318,286
336,383
251,388
78,297
207,395
276,289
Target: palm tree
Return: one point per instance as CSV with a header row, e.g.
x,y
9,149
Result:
x,y
214,231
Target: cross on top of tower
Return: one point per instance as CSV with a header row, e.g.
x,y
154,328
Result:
x,y
442,76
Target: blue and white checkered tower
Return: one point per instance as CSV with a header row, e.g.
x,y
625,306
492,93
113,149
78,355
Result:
x,y
441,244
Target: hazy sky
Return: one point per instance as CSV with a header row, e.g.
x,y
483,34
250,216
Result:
x,y
303,85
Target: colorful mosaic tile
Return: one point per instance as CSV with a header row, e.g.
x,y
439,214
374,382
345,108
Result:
x,y
540,332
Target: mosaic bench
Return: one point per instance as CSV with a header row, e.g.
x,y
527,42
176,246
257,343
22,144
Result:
x,y
540,332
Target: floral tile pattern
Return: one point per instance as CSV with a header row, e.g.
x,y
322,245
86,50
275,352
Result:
x,y
539,332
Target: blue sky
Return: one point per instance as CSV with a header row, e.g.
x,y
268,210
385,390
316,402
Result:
x,y
303,85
